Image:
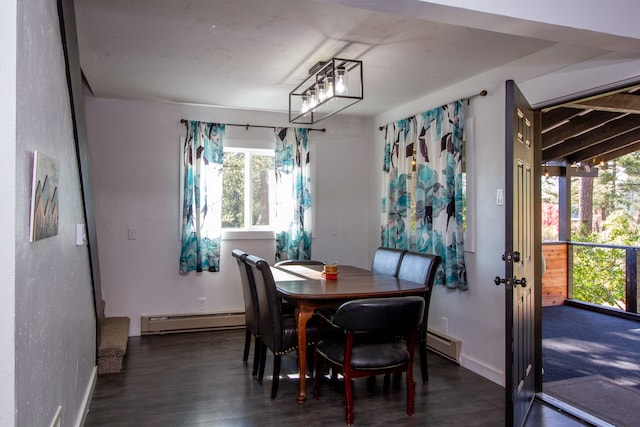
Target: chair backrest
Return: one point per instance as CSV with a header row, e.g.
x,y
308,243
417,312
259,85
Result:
x,y
252,316
382,315
420,268
298,262
387,261
269,303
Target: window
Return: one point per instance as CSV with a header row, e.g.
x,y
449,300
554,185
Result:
x,y
248,198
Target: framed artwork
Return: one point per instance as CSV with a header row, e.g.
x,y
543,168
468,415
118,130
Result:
x,y
44,198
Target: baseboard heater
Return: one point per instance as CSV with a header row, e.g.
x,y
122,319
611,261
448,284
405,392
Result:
x,y
190,322
444,345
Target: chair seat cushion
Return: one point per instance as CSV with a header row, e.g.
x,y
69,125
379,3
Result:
x,y
368,352
290,334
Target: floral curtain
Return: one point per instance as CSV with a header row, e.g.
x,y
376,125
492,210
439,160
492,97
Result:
x,y
202,204
427,148
396,197
293,194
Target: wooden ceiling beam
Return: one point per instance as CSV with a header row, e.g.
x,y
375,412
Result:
x,y
621,151
557,116
577,126
596,136
618,103
602,151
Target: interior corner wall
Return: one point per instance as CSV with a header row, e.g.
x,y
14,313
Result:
x,y
134,148
55,339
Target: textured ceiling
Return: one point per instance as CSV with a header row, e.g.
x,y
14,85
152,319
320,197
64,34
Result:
x,y
251,54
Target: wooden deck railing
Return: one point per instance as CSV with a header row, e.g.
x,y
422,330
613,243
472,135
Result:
x,y
557,282
555,277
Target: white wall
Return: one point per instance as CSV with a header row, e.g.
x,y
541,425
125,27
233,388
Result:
x,y
8,37
134,149
54,318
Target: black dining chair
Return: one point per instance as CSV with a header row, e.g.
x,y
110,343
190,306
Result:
x,y
252,317
279,333
387,261
371,343
421,268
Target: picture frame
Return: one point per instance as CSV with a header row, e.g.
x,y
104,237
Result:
x,y
44,198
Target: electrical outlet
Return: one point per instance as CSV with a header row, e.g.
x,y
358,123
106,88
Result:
x,y
202,303
445,325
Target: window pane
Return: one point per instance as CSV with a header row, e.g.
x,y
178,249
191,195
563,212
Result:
x,y
233,190
261,177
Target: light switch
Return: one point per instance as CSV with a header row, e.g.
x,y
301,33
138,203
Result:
x,y
499,197
132,233
81,235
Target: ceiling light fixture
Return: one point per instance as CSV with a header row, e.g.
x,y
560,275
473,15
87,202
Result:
x,y
331,87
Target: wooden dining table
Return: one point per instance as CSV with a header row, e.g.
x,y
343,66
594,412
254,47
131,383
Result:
x,y
306,287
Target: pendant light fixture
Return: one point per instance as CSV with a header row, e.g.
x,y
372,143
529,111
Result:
x,y
331,87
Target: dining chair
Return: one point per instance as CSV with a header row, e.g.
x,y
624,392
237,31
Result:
x,y
279,332
371,343
387,261
252,317
421,268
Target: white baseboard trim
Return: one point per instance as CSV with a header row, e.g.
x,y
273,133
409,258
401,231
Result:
x,y
489,372
88,394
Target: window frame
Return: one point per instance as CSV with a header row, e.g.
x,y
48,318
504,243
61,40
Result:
x,y
260,139
248,212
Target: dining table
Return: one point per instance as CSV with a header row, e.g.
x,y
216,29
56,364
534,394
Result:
x,y
307,288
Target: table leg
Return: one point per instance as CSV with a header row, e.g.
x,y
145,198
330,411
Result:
x,y
303,314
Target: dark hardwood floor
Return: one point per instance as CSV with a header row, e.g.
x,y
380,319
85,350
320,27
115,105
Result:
x,y
198,379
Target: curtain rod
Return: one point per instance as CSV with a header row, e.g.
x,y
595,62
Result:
x,y
247,126
483,92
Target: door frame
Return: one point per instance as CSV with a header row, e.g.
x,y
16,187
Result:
x,y
538,110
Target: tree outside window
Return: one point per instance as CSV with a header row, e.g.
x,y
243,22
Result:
x,y
247,192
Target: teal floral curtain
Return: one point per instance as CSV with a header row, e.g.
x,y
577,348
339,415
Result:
x,y
293,194
432,144
396,197
202,204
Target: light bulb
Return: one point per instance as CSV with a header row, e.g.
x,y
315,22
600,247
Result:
x,y
341,81
328,89
313,101
305,104
322,94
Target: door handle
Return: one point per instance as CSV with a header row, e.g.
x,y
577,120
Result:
x,y
522,282
498,280
508,256
509,282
